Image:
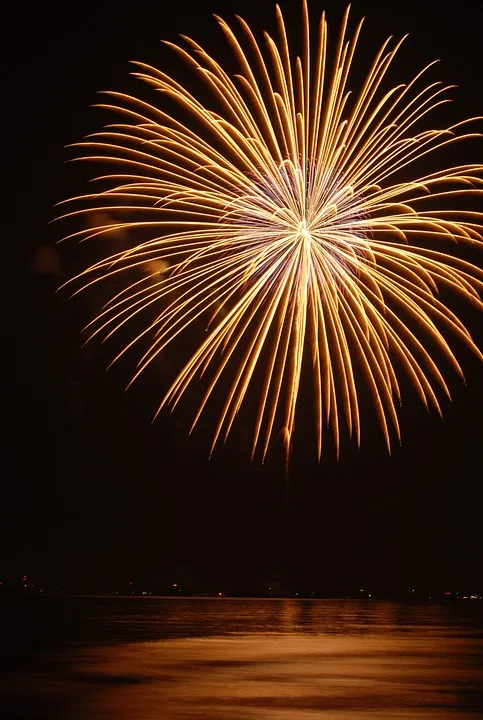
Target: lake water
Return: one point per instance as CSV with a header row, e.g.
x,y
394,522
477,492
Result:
x,y
228,659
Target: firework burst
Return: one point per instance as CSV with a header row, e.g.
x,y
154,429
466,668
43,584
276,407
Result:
x,y
284,220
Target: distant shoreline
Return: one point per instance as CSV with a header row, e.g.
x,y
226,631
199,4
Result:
x,y
434,599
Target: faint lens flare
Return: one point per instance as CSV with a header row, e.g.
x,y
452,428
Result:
x,y
284,219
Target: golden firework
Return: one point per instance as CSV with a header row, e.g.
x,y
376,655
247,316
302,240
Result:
x,y
284,220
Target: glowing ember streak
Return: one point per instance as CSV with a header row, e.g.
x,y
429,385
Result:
x,y
288,208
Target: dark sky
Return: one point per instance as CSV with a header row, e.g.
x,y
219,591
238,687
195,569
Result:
x,y
93,493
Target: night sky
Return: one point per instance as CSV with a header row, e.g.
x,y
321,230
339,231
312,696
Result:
x,y
94,495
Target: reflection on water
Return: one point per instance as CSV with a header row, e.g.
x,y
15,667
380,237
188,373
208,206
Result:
x,y
244,659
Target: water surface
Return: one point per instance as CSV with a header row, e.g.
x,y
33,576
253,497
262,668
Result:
x,y
217,659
